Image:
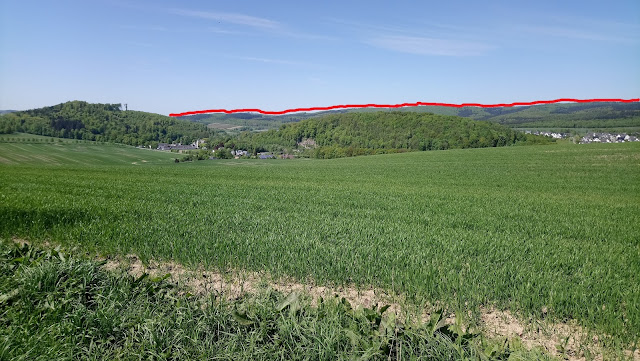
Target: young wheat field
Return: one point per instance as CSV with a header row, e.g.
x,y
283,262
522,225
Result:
x,y
547,232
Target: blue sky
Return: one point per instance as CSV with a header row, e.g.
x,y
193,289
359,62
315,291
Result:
x,y
176,56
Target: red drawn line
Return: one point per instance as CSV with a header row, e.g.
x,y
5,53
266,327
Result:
x,y
347,106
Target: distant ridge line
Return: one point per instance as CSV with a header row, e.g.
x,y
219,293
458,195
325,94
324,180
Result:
x,y
349,106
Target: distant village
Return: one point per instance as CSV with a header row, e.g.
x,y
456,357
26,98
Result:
x,y
309,143
236,153
591,137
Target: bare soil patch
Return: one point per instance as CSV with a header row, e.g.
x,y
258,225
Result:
x,y
567,341
237,283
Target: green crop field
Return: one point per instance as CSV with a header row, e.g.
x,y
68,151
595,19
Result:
x,y
531,228
37,150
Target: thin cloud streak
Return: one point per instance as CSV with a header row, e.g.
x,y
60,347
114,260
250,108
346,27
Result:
x,y
425,38
584,28
261,24
418,29
430,46
573,33
223,31
276,61
367,27
600,24
233,18
267,60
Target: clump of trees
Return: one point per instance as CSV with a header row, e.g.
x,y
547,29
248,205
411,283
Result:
x,y
201,154
351,134
223,153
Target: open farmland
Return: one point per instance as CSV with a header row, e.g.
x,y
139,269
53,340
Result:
x,y
545,231
37,150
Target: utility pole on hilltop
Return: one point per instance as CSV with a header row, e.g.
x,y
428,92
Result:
x,y
125,107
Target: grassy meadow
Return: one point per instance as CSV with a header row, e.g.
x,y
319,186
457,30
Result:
x,y
545,231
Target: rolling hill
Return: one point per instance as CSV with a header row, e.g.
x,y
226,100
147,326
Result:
x,y
37,150
562,115
359,133
333,134
102,122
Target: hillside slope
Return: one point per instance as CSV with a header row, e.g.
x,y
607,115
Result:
x,y
590,115
562,115
255,121
35,150
102,122
349,134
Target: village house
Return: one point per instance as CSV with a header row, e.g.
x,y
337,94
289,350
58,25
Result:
x,y
179,146
265,156
554,135
307,143
607,138
239,153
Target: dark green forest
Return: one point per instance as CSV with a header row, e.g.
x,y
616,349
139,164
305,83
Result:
x,y
340,135
102,122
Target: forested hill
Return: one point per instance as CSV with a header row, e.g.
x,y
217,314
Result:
x,y
583,115
349,134
561,115
102,122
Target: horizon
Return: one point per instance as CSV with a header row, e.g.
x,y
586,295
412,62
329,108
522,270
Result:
x,y
313,110
164,57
